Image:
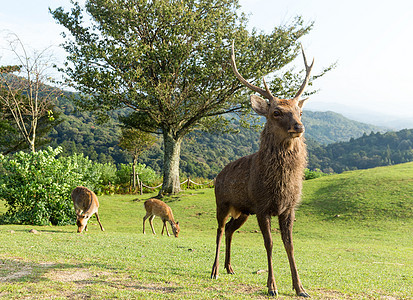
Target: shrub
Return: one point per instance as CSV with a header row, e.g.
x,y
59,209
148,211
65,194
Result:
x,y
312,174
36,186
107,173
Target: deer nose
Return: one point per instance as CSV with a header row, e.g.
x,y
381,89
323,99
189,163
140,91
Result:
x,y
299,128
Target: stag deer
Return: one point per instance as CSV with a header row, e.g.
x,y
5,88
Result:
x,y
268,182
86,204
155,207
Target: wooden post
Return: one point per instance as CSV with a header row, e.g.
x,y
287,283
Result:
x,y
188,184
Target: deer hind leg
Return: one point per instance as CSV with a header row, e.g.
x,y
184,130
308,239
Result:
x,y
230,228
222,216
286,221
265,225
97,217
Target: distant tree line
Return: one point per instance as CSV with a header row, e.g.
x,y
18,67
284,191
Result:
x,y
368,151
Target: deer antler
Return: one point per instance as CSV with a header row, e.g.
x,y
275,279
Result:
x,y
265,93
307,75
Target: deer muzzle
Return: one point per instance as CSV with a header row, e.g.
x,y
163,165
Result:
x,y
297,130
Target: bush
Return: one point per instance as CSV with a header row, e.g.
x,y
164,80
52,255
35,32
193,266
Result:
x,y
107,173
312,174
37,186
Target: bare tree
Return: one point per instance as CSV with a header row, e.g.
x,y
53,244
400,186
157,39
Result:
x,y
135,142
27,94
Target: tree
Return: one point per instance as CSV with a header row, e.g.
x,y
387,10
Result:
x,y
135,142
25,99
168,61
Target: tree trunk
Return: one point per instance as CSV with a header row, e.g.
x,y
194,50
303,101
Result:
x,y
134,173
172,151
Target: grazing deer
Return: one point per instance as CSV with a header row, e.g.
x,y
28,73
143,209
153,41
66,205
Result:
x,y
86,204
267,183
155,207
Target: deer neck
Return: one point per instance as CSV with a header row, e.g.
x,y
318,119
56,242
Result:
x,y
281,164
281,156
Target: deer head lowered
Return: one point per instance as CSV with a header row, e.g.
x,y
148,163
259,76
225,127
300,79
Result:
x,y
267,183
86,204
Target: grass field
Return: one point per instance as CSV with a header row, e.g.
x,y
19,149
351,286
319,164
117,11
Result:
x,y
353,240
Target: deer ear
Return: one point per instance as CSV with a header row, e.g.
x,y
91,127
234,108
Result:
x,y
301,103
259,105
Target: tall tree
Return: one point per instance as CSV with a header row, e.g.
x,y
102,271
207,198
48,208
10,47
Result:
x,y
135,142
168,60
25,99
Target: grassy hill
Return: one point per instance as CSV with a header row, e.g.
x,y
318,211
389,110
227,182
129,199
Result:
x,y
364,196
352,241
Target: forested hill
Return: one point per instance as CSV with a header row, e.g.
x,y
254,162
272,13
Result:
x,y
202,154
330,127
368,151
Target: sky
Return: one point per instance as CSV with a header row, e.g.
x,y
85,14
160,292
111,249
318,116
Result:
x,y
371,41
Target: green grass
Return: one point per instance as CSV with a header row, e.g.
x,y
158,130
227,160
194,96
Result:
x,y
353,240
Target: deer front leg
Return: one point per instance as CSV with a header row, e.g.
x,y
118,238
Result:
x,y
214,273
230,228
165,227
286,221
265,225
222,216
150,223
144,219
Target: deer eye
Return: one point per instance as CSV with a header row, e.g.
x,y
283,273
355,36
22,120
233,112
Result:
x,y
277,113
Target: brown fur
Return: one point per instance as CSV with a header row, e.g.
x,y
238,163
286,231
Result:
x,y
267,183
155,207
86,204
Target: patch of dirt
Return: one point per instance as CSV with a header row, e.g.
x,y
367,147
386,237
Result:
x,y
68,275
84,276
24,271
12,270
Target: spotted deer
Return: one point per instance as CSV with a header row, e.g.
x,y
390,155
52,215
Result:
x,y
155,207
267,183
86,204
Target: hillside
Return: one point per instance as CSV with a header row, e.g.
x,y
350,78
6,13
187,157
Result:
x,y
330,127
365,152
382,193
352,240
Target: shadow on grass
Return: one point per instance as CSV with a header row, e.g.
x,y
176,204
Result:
x,y
14,271
332,201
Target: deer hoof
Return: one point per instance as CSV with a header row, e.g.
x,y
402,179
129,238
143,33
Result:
x,y
230,270
214,273
304,294
273,293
